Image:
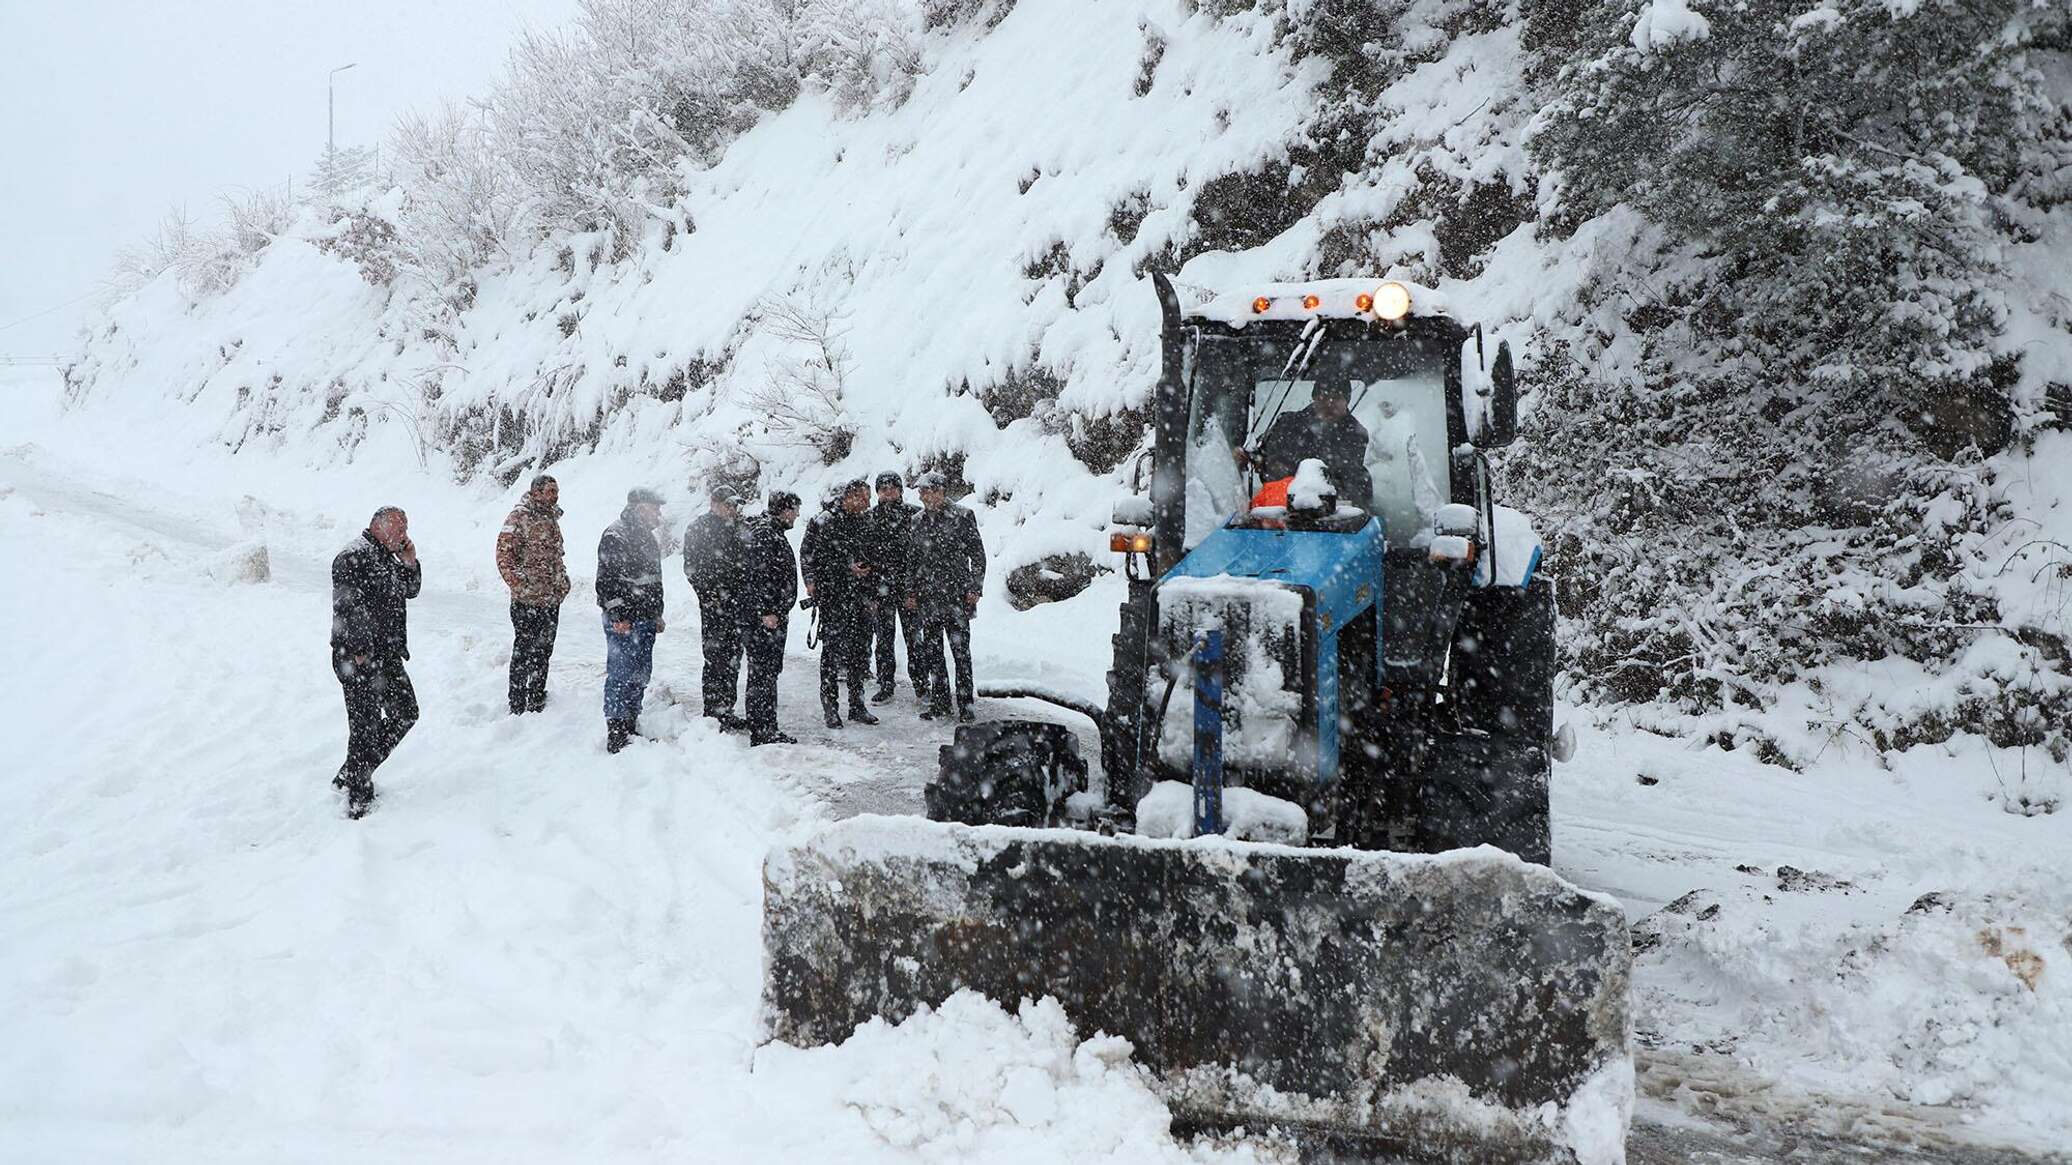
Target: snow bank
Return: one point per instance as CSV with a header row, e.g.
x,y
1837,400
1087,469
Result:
x,y
970,1082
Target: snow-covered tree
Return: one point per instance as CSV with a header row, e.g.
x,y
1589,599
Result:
x,y
1767,436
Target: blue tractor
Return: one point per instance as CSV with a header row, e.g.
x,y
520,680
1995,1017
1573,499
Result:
x,y
1312,888
1379,642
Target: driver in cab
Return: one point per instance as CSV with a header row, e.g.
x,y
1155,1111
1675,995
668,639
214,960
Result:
x,y
1326,430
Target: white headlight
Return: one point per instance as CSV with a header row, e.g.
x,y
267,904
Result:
x,y
1391,301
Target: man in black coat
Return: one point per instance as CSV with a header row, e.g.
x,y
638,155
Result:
x,y
1326,430
835,557
629,590
769,586
712,549
892,525
371,580
946,574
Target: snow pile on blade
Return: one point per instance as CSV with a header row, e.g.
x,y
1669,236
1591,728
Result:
x,y
1458,1007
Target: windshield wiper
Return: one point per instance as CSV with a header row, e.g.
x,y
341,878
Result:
x,y
1304,351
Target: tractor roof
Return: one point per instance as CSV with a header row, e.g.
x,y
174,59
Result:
x,y
1356,298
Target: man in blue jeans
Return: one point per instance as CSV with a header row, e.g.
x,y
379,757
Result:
x,y
629,589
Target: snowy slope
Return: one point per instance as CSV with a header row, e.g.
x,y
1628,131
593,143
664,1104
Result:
x,y
924,230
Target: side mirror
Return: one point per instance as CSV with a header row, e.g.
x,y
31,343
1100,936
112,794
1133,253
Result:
x,y
1503,405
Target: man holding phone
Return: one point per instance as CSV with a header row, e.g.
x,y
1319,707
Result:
x,y
371,580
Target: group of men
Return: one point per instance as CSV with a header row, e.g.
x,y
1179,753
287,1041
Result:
x,y
873,576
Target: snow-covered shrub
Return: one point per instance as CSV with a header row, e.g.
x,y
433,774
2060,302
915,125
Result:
x,y
865,52
465,204
258,217
203,261
799,398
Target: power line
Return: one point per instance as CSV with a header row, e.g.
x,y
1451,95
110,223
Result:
x,y
47,311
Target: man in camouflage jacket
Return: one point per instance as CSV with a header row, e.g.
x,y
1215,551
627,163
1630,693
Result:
x,y
529,556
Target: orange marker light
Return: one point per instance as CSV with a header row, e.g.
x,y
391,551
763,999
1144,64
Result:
x,y
1119,542
1140,543
1363,302
1310,302
1260,305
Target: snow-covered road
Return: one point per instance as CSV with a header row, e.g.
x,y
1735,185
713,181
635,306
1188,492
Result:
x,y
536,951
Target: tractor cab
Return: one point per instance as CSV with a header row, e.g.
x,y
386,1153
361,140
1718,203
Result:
x,y
1409,401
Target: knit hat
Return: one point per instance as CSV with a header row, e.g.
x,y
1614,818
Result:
x,y
643,496
931,480
889,478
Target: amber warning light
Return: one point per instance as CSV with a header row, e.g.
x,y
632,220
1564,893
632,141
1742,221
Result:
x,y
1260,305
1124,542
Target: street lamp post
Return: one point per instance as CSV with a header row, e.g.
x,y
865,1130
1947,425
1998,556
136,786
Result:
x,y
331,109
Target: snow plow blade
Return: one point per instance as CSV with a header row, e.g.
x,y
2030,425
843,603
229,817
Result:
x,y
1455,1007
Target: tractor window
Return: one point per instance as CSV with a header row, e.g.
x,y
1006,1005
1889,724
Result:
x,y
1397,393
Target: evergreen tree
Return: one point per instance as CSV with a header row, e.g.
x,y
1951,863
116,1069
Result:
x,y
1769,444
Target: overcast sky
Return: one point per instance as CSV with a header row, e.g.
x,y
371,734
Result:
x,y
113,110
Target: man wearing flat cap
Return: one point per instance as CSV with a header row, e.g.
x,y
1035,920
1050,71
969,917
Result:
x,y
629,590
835,557
945,575
712,550
892,527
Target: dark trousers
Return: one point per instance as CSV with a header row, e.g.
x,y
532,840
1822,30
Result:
x,y
380,707
844,652
950,622
765,651
892,623
532,645
719,631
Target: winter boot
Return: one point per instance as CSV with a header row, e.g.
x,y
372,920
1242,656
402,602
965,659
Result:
x,y
883,695
834,718
359,798
772,738
729,722
861,714
615,734
965,712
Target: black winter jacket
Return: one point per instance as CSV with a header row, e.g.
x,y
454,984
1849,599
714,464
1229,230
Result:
x,y
946,559
769,572
712,550
629,571
892,527
369,586
1341,445
834,539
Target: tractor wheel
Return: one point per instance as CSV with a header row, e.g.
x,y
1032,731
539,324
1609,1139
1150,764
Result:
x,y
1503,661
1488,782
1486,790
1007,772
